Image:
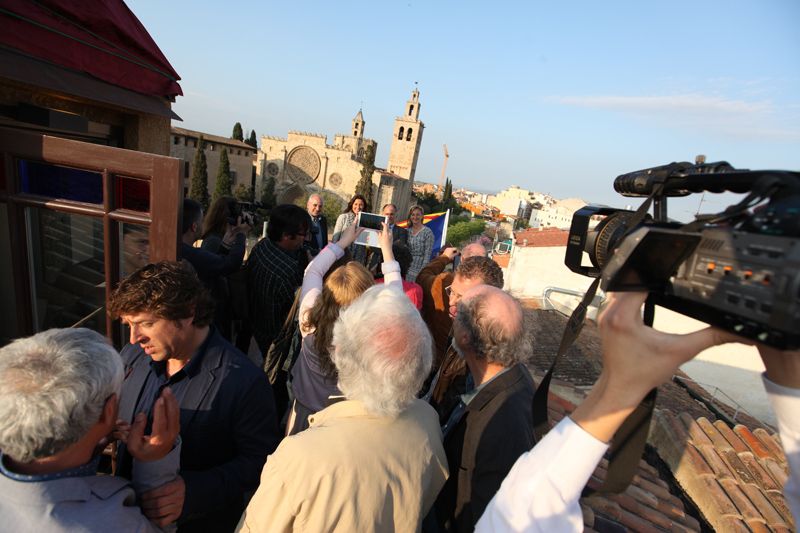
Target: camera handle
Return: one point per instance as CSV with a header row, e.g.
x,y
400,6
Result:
x,y
630,439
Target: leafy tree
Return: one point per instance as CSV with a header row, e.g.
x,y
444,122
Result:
x,y
461,233
268,199
224,180
237,134
428,202
243,193
364,186
198,189
252,140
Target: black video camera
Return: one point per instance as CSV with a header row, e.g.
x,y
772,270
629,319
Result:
x,y
738,269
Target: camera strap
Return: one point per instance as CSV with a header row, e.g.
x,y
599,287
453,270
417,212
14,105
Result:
x,y
630,439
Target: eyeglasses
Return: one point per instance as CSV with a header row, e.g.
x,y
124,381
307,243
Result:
x,y
450,292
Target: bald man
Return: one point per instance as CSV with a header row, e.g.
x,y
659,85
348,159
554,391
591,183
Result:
x,y
492,425
434,280
317,237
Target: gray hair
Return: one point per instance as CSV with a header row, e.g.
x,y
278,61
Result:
x,y
489,337
383,350
54,387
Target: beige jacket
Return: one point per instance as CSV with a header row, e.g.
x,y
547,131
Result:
x,y
352,471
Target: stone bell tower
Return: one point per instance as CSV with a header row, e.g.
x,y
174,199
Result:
x,y
406,140
358,125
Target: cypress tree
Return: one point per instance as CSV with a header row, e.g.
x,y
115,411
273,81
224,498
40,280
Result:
x,y
198,189
224,180
252,140
364,186
237,134
268,199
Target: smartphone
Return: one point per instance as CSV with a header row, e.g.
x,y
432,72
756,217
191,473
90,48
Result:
x,y
370,221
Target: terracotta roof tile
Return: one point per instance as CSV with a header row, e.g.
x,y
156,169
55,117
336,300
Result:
x,y
754,443
771,442
533,237
732,476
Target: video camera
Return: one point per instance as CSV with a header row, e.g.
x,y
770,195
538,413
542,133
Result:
x,y
247,212
738,270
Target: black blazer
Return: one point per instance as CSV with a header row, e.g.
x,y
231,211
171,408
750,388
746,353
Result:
x,y
228,428
497,427
311,241
398,235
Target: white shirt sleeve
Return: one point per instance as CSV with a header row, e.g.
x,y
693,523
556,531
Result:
x,y
786,404
312,279
542,490
391,274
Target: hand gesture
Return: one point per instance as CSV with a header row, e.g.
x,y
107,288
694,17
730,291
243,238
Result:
x,y
385,240
450,253
349,235
166,425
163,505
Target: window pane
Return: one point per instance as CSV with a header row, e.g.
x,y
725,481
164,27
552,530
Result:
x,y
133,194
8,307
134,248
67,274
61,182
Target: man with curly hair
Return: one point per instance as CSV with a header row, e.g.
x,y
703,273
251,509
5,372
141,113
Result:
x,y
228,422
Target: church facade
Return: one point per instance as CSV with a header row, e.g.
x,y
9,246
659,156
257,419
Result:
x,y
304,162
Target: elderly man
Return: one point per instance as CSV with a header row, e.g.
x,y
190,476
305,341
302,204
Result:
x,y
317,237
434,280
373,461
492,424
58,403
542,490
228,421
399,235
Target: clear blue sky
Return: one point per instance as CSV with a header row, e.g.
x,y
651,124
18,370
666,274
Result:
x,y
557,97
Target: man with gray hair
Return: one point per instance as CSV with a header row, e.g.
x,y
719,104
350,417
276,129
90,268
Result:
x,y
492,425
374,460
58,404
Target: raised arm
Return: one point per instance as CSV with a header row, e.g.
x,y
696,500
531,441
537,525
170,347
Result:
x,y
542,490
316,270
389,267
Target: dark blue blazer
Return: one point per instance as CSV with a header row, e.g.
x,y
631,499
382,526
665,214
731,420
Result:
x,y
228,428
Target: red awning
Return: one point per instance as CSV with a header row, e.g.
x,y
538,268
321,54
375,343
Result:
x,y
104,39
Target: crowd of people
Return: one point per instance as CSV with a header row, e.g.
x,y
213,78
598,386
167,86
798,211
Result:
x,y
393,394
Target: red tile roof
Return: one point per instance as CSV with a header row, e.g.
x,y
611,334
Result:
x,y
541,238
733,476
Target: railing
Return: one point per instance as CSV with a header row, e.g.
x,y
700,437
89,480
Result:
x,y
566,310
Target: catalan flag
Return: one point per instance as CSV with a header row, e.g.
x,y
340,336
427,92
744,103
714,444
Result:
x,y
437,222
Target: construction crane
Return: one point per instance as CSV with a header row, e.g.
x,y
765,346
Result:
x,y
444,169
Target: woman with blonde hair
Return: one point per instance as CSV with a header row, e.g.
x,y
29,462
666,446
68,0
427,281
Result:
x,y
420,242
314,377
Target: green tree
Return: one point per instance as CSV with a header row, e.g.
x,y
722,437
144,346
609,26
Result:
x,y
224,180
448,191
364,186
243,193
237,134
198,189
268,199
461,233
252,139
